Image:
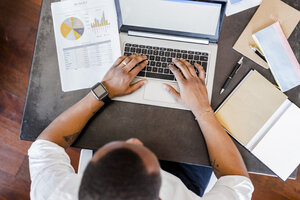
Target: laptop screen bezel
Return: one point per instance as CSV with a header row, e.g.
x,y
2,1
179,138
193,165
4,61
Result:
x,y
211,38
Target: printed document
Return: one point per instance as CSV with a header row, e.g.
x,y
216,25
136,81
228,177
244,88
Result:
x,y
87,41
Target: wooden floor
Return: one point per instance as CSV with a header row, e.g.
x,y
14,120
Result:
x,y
18,26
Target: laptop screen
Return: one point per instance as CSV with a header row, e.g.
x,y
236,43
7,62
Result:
x,y
196,17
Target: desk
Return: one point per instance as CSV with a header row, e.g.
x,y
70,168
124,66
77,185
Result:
x,y
171,134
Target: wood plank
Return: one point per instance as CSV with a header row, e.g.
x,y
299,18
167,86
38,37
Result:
x,y
11,106
13,188
13,81
11,138
10,159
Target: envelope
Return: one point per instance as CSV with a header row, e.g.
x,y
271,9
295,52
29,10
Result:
x,y
267,14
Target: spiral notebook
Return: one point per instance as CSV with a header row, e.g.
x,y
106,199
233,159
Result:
x,y
261,118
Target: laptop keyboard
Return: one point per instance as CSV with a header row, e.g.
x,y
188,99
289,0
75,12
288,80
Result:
x,y
160,57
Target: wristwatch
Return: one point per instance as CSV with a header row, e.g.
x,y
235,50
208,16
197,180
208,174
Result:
x,y
101,93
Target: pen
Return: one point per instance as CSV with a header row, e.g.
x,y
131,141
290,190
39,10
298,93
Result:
x,y
236,67
257,52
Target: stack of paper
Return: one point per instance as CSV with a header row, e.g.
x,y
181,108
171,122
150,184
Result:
x,y
279,55
269,12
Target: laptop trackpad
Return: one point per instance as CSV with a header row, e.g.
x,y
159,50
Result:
x,y
155,91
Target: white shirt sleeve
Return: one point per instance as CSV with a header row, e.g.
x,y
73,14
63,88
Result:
x,y
231,188
50,169
226,188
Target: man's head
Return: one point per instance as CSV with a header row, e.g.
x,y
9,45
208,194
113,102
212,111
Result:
x,y
122,170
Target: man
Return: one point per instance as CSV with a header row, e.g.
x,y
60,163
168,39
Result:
x,y
126,170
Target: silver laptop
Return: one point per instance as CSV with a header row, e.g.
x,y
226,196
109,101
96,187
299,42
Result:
x,y
166,29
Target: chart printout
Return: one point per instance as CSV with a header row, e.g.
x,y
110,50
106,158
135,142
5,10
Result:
x,y
87,41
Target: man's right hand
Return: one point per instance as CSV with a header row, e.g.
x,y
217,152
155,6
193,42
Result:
x,y
193,92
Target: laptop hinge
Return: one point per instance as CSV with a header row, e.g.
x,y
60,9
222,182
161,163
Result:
x,y
167,37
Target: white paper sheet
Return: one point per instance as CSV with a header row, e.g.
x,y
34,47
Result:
x,y
87,41
280,149
241,6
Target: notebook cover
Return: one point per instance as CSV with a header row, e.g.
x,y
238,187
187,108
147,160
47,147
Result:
x,y
249,107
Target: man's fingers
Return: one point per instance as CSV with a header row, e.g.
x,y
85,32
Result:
x,y
127,60
136,60
136,86
201,72
189,66
139,68
183,68
176,73
172,91
119,61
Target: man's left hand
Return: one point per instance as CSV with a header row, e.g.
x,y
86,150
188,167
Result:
x,y
119,77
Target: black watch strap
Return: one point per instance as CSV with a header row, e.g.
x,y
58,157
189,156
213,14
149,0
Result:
x,y
106,99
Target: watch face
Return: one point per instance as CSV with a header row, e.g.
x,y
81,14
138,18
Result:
x,y
100,91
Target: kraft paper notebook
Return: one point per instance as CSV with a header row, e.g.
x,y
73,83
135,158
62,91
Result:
x,y
268,13
261,118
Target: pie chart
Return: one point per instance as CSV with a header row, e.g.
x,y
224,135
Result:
x,y
72,28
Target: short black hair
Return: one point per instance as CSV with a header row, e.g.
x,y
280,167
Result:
x,y
119,175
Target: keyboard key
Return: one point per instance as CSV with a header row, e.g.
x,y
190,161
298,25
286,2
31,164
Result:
x,y
163,59
126,49
203,58
183,51
184,56
132,50
191,52
160,76
144,51
135,45
178,55
164,65
173,55
161,53
162,49
155,52
160,70
138,51
152,63
169,60
157,58
168,49
167,54
150,52
196,57
127,54
176,50
151,58
141,73
154,69
156,48
149,69
204,65
158,64
148,47
142,46
190,57
198,53
166,71
205,54
127,45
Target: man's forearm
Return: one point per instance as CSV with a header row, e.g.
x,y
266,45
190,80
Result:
x,y
224,156
65,129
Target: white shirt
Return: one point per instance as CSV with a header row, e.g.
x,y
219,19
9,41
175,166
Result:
x,y
53,177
